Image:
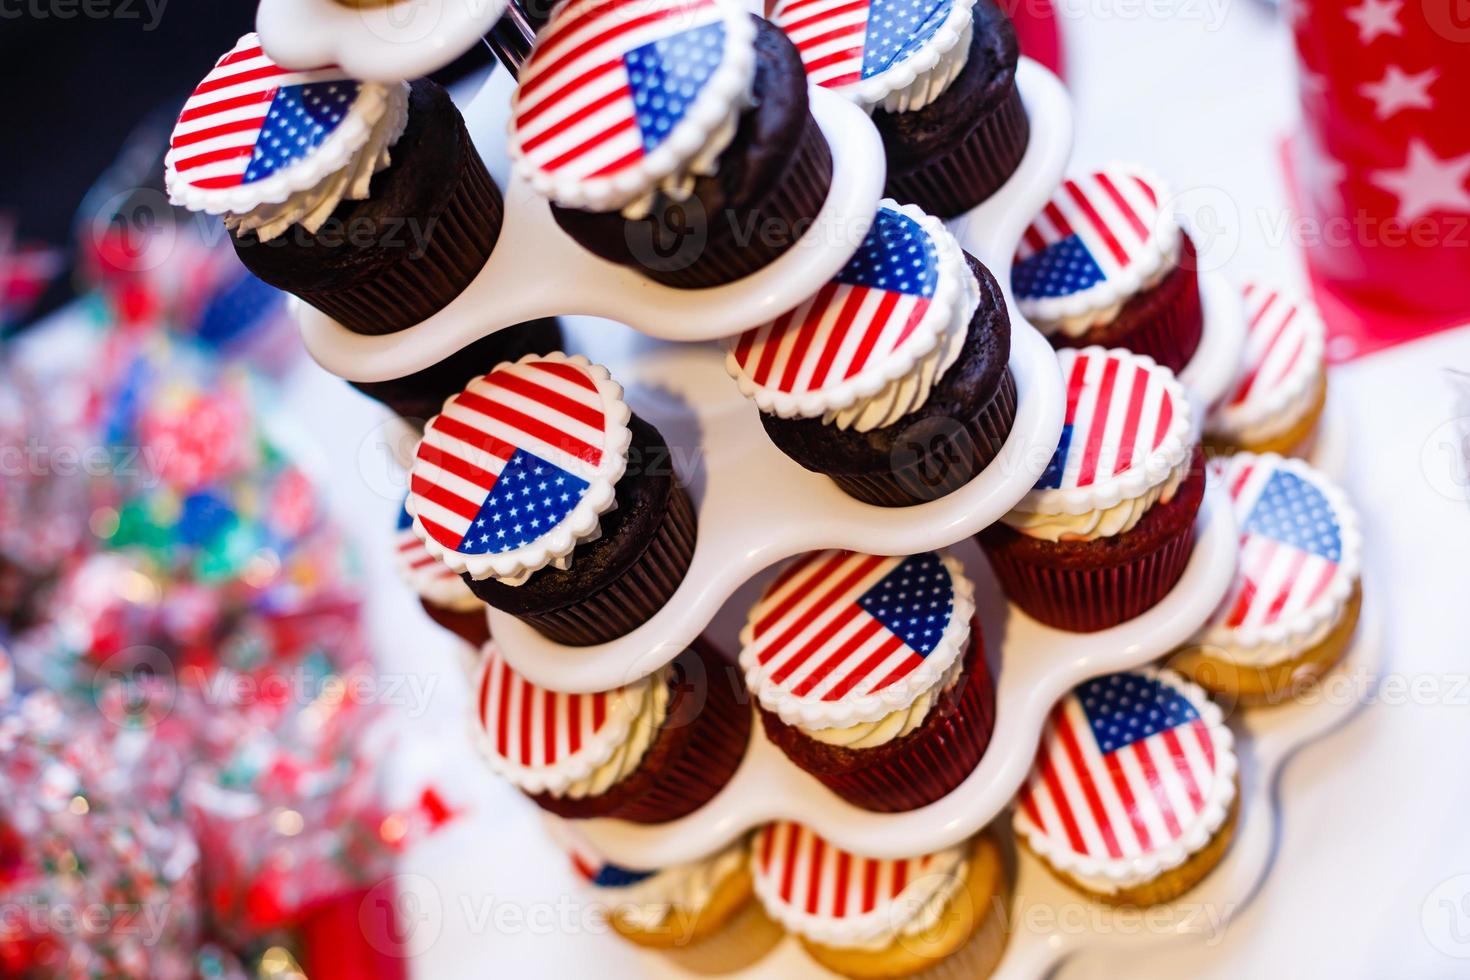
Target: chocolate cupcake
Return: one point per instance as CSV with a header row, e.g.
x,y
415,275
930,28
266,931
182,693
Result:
x,y
940,82
671,137
1105,264
420,395
892,379
442,593
869,675
553,500
1108,529
366,200
650,751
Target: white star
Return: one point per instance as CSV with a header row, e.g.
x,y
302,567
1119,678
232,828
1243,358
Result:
x,y
1375,17
1427,183
1398,90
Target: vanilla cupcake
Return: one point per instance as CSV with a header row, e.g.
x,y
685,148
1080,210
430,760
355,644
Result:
x,y
1134,793
650,751
870,675
942,915
1292,610
442,593
1278,398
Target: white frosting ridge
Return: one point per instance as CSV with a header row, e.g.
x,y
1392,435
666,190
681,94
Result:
x,y
1104,522
683,889
895,724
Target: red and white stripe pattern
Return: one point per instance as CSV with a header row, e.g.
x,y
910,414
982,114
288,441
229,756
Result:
x,y
1127,763
549,408
1283,341
217,130
798,875
836,625
829,35
529,727
1291,542
579,113
1120,409
428,576
1114,212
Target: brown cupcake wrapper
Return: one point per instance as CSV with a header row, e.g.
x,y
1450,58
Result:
x,y
473,627
1085,601
1170,337
635,596
978,166
946,466
696,752
921,767
415,287
796,201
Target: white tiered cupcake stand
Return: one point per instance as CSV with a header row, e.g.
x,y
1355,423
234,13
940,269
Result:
x,y
756,507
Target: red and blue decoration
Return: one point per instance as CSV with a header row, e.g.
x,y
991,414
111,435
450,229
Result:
x,y
1291,541
606,86
250,118
806,873
597,871
865,314
509,457
417,565
843,42
530,727
836,624
1093,230
1279,334
1119,410
1126,764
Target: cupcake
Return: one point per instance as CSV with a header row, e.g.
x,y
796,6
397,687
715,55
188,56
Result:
x,y
869,674
892,379
650,751
367,200
942,914
442,593
670,136
1106,264
420,395
702,907
1109,527
1294,605
1133,796
940,82
556,503
1275,406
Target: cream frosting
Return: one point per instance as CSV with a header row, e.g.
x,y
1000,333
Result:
x,y
683,889
312,206
626,757
1105,522
930,85
895,724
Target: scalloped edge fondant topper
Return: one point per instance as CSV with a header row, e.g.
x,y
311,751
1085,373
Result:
x,y
431,580
820,647
590,129
215,138
1144,810
1085,474
834,40
1285,344
557,426
1284,592
1102,238
867,329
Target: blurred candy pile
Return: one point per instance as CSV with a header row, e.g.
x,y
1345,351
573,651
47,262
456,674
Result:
x,y
188,735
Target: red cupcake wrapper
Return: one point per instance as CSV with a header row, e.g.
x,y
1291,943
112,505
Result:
x,y
915,770
1085,601
473,627
700,746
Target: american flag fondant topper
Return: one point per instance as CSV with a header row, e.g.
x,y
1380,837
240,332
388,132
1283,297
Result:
x,y
543,740
841,638
826,894
617,96
430,578
1284,346
1101,238
867,49
1132,766
1125,429
517,468
252,132
892,305
1299,550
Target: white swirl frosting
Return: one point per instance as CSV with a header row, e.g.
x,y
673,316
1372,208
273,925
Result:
x,y
683,890
1105,522
930,85
896,724
311,207
627,756
678,185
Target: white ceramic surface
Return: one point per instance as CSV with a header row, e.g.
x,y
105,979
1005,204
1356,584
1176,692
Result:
x,y
513,285
1033,666
400,40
